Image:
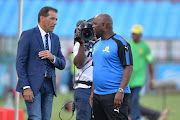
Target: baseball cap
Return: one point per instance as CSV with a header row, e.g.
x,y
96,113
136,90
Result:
x,y
137,29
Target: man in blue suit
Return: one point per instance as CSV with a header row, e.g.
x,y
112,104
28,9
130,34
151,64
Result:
x,y
38,53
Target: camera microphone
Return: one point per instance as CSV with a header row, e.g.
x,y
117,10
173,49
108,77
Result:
x,y
80,23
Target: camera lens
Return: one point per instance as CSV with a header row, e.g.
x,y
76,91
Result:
x,y
87,34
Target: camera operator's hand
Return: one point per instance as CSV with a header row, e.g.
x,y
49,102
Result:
x,y
80,57
77,35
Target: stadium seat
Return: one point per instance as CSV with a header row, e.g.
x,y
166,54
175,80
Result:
x,y
160,18
172,26
5,16
148,16
32,18
121,17
63,8
13,20
8,114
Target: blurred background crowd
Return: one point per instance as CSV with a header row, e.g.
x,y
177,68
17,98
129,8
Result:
x,y
160,20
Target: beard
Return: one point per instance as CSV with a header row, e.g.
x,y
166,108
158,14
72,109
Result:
x,y
98,36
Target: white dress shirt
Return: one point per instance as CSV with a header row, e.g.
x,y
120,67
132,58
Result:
x,y
43,33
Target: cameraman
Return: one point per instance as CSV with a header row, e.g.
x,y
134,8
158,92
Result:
x,y
83,78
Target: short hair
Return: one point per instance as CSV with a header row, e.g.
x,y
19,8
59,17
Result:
x,y
44,12
90,20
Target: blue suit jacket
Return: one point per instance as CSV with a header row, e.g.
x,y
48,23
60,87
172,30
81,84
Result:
x,y
30,67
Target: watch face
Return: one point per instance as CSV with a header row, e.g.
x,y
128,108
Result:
x,y
121,90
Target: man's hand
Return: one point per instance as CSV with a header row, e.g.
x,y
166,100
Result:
x,y
45,54
91,100
77,35
28,95
118,99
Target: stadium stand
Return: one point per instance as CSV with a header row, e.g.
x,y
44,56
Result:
x,y
160,18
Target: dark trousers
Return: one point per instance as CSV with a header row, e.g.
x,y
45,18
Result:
x,y
136,110
134,103
103,107
149,113
81,99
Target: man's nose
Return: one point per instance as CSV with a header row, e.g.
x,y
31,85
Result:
x,y
55,22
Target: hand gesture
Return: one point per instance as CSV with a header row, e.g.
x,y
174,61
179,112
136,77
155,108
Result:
x,y
28,95
45,54
118,99
77,35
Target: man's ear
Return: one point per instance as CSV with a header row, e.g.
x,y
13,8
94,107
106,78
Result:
x,y
104,25
107,25
41,18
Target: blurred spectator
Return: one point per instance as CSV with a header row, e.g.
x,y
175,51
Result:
x,y
141,56
66,80
72,70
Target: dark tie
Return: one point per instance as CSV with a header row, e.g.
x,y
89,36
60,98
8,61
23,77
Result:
x,y
48,66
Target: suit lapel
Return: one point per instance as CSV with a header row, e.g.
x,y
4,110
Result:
x,y
52,43
38,34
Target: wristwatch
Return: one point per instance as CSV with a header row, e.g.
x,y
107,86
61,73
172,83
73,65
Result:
x,y
121,90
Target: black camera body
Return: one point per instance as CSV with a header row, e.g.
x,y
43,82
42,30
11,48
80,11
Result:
x,y
86,30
